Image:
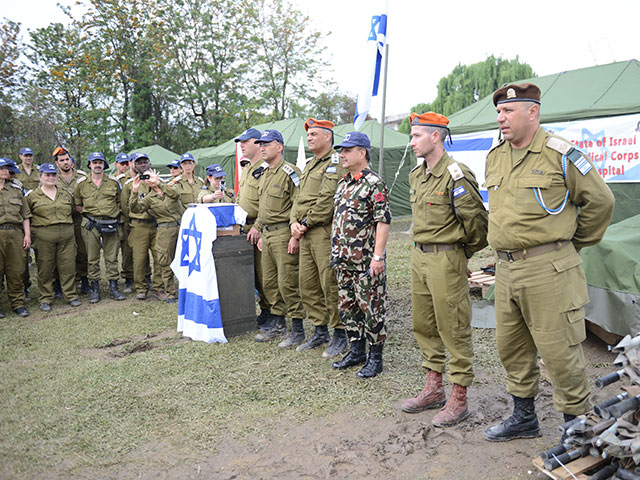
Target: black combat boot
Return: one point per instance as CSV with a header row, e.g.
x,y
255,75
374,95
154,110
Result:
x,y
278,330
374,362
523,423
94,294
357,355
114,292
338,343
149,281
296,337
85,289
263,319
128,285
57,288
319,337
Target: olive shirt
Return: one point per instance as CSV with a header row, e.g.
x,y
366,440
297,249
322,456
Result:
x,y
516,219
189,191
46,211
71,184
227,195
13,205
248,197
277,191
318,184
125,198
433,219
165,209
98,201
30,182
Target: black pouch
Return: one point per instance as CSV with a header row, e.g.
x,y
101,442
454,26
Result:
x,y
107,227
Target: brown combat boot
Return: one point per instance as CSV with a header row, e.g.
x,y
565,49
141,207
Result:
x,y
455,410
431,396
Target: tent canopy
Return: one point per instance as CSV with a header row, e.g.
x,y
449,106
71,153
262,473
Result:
x,y
600,91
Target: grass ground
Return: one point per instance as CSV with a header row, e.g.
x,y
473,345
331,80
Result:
x,y
86,387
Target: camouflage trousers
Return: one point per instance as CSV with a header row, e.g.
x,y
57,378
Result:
x,y
362,305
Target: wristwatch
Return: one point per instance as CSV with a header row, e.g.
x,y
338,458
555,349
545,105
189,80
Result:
x,y
303,222
378,258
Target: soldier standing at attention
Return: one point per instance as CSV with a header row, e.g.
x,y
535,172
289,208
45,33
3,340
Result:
x,y
28,175
163,202
278,189
248,200
67,178
449,225
311,218
546,201
53,238
15,238
97,200
142,236
358,240
189,184
214,190
123,173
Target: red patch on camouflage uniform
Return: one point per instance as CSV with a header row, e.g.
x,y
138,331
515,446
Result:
x,y
357,176
379,197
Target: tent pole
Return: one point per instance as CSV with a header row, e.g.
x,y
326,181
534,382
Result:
x,y
384,102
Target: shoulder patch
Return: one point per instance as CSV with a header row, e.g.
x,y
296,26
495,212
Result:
x,y
332,169
459,191
64,189
559,145
128,181
17,182
200,178
335,158
288,169
580,161
80,180
455,171
81,172
120,176
113,178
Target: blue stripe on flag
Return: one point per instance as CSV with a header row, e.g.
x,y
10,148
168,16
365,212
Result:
x,y
199,310
469,144
225,215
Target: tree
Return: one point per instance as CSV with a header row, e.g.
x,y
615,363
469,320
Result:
x,y
335,106
467,84
288,56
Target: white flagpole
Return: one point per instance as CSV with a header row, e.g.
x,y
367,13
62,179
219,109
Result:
x,y
384,104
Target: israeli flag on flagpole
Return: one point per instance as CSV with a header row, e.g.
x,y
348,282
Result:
x,y
375,51
198,303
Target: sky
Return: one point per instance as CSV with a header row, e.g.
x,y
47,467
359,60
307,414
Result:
x,y
427,39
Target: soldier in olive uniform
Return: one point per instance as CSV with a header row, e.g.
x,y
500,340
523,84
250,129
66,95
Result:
x,y
15,238
53,237
174,168
142,236
278,189
358,241
188,183
97,198
214,190
248,199
67,178
126,270
449,225
546,201
28,175
163,202
311,218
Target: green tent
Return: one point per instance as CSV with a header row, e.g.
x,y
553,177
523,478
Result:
x,y
612,268
293,130
594,92
160,157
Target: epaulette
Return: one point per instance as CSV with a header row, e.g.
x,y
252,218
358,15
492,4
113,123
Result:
x,y
500,142
455,171
64,189
260,170
172,182
416,167
574,155
80,180
121,176
335,158
200,178
128,181
17,182
113,178
81,172
288,169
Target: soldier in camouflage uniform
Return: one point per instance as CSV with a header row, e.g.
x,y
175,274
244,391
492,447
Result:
x,y
358,240
214,190
449,225
546,201
278,189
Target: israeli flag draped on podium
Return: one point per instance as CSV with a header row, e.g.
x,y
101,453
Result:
x,y
375,50
198,304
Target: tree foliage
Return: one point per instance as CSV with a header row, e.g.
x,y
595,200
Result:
x,y
467,84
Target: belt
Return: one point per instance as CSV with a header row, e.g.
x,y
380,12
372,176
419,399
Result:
x,y
436,247
515,255
275,226
169,224
141,220
8,226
